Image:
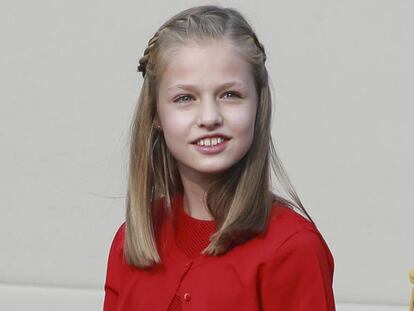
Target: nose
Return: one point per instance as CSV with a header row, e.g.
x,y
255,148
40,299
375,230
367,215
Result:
x,y
210,115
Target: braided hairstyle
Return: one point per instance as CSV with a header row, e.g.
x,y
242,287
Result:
x,y
198,24
143,62
241,200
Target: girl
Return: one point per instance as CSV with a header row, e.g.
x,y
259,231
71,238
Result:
x,y
203,229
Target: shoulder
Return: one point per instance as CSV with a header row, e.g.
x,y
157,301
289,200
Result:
x,y
118,240
282,213
298,272
285,222
288,231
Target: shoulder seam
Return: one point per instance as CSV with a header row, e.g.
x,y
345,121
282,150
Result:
x,y
292,235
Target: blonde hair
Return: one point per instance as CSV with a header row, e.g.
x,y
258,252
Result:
x,y
240,200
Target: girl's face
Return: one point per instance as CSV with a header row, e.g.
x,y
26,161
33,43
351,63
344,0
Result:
x,y
207,91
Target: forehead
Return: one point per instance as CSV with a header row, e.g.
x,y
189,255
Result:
x,y
209,62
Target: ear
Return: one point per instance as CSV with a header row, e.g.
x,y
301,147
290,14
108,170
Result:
x,y
157,124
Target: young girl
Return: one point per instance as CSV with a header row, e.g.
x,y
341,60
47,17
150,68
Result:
x,y
203,229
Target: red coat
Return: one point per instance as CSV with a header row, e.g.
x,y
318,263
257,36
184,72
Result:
x,y
288,267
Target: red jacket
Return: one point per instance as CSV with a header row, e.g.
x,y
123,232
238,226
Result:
x,y
287,268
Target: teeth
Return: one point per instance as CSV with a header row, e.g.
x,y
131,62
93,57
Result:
x,y
210,141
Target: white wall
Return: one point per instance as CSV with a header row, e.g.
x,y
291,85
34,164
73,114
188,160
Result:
x,y
343,74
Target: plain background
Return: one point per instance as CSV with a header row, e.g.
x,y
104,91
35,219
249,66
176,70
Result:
x,y
343,79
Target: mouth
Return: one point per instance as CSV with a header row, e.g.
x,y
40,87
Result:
x,y
211,147
210,139
211,142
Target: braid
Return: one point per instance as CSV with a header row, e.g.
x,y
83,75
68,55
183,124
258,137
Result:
x,y
260,46
144,60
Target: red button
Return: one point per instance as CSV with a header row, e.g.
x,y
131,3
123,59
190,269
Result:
x,y
187,296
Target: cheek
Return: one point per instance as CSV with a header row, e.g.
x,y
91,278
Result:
x,y
175,127
175,121
243,121
166,116
246,124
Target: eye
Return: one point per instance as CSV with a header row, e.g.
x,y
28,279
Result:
x,y
182,99
232,94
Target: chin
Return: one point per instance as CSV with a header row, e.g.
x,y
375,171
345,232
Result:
x,y
214,169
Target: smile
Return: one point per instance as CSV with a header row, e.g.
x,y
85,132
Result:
x,y
211,146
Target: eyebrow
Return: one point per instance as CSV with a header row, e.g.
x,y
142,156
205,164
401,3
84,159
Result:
x,y
191,86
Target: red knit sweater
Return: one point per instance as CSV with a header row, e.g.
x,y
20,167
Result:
x,y
191,236
288,267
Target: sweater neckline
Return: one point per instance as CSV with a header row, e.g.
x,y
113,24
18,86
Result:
x,y
182,213
177,210
191,235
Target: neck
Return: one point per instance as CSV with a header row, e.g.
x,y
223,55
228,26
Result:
x,y
195,206
194,192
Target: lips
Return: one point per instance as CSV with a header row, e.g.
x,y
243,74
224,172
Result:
x,y
212,149
225,137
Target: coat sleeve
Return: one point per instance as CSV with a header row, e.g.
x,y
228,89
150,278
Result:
x,y
300,275
112,282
